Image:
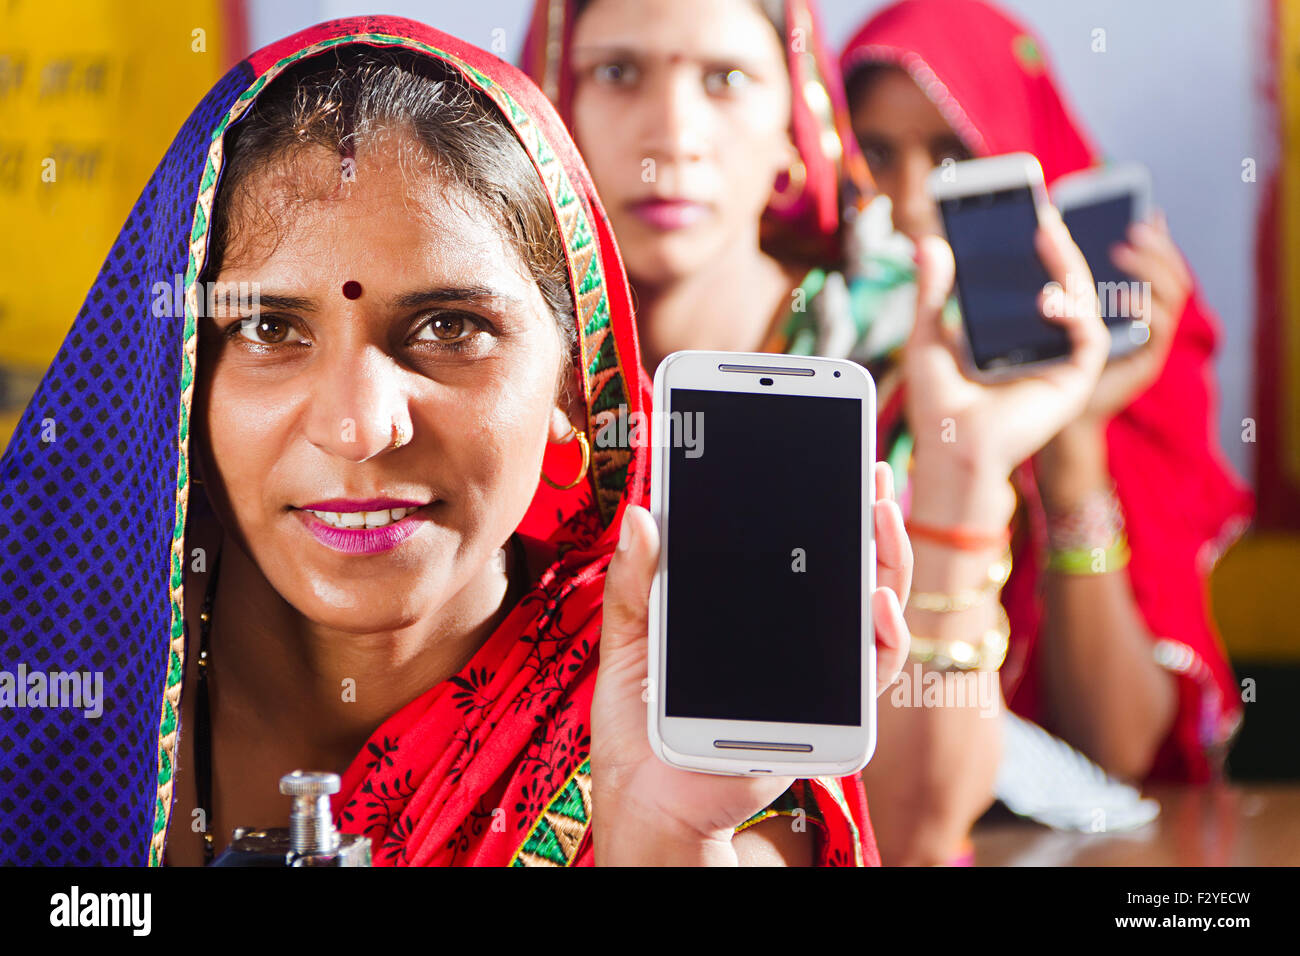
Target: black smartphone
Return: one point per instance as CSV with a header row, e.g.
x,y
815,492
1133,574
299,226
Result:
x,y
990,214
762,650
1098,206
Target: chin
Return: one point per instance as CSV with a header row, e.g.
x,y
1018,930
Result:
x,y
370,614
662,259
362,605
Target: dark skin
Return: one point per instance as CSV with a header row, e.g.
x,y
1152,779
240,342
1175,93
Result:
x,y
297,408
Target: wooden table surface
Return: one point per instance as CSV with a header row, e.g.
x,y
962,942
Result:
x,y
1213,825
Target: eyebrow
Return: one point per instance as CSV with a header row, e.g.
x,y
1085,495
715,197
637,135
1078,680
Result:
x,y
624,51
478,295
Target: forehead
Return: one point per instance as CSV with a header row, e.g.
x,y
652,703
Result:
x,y
891,99
693,29
392,211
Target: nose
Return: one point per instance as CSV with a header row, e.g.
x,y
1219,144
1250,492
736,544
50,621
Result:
x,y
357,403
673,116
915,214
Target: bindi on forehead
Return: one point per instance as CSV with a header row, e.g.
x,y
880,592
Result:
x,y
352,289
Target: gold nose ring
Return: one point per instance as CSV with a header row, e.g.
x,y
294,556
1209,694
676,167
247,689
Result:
x,y
400,437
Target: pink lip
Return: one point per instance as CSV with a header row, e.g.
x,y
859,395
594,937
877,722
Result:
x,y
366,504
362,540
669,214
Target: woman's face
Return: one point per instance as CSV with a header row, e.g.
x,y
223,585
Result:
x,y
904,136
449,338
681,109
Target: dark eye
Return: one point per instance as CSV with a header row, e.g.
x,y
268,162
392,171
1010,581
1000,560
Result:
x,y
448,327
616,74
878,154
949,148
266,330
726,81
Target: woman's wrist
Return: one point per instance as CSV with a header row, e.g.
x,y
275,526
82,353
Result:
x,y
624,834
1073,465
978,498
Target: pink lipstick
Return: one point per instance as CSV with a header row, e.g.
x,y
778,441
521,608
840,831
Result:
x,y
363,526
668,214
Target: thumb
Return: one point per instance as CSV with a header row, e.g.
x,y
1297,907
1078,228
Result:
x,y
935,271
627,582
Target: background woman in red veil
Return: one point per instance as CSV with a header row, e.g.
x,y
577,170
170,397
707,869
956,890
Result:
x,y
718,138
1125,665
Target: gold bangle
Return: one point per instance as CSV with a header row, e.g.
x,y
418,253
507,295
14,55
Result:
x,y
946,654
944,603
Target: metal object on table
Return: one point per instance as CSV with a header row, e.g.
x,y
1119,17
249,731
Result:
x,y
311,838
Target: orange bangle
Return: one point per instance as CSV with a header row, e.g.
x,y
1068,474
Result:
x,y
964,539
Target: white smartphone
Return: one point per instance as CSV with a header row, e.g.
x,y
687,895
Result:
x,y
1098,206
990,210
762,649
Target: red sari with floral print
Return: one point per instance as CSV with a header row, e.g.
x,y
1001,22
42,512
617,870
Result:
x,y
491,766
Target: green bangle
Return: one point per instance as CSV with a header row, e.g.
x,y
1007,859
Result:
x,y
1090,560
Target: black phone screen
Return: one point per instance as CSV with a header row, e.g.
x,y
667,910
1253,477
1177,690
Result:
x,y
764,615
1095,228
999,278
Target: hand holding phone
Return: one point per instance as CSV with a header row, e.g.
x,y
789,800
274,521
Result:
x,y
1143,284
1099,207
964,427
991,209
652,811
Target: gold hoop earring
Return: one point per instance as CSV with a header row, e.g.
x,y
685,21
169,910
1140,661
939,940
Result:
x,y
400,437
586,462
796,179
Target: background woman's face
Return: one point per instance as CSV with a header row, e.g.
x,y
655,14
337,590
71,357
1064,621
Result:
x,y
681,109
450,338
904,136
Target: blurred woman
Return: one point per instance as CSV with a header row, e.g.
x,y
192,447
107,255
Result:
x,y
716,135
1121,659
416,295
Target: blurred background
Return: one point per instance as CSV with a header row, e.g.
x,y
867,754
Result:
x,y
1205,92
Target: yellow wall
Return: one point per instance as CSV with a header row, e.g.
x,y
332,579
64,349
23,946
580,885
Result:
x,y
100,87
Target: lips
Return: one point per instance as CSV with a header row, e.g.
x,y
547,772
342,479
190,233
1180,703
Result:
x,y
668,214
362,504
364,526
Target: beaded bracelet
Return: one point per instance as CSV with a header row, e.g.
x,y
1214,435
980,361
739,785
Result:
x,y
1096,521
946,654
944,603
1091,560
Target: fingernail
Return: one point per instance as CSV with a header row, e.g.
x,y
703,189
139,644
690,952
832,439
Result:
x,y
625,534
889,482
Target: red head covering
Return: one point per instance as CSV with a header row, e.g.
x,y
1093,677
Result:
x,y
1183,505
804,217
492,766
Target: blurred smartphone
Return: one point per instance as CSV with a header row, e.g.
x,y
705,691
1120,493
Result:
x,y
990,214
1098,206
762,649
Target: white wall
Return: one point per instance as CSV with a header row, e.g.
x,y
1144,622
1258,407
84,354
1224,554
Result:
x,y
1176,89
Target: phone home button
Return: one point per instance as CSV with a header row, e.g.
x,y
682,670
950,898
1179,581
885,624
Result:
x,y
762,745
